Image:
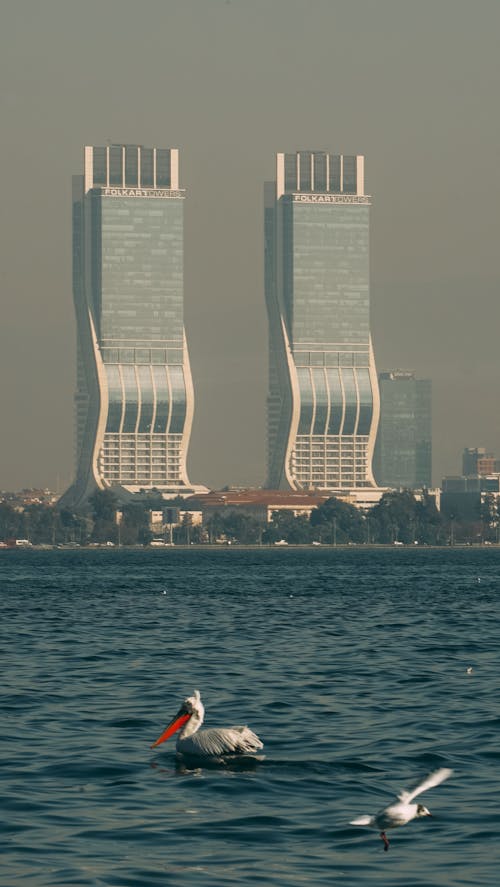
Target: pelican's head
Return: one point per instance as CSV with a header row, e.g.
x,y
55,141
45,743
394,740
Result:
x,y
423,811
192,707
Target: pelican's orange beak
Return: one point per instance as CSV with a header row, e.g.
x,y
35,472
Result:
x,y
176,724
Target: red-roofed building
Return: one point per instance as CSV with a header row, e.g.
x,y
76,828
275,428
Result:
x,y
260,504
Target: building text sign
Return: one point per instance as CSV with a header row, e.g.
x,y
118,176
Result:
x,y
330,198
140,192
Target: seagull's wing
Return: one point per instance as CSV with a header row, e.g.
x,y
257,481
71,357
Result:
x,y
362,820
434,778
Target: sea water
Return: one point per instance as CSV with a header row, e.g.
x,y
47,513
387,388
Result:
x,y
350,664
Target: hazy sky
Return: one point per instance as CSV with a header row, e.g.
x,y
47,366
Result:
x,y
414,86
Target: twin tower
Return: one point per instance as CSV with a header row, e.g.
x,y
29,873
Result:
x,y
135,400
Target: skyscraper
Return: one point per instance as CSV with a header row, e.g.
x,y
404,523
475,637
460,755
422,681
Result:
x,y
134,399
323,395
403,451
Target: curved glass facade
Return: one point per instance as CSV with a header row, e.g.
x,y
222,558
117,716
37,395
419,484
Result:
x,y
323,397
134,398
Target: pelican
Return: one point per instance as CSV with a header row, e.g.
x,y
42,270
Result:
x,y
403,811
215,744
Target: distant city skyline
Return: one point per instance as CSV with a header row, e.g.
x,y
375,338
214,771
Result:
x,y
229,84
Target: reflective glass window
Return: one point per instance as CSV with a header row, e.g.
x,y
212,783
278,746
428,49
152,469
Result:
x,y
335,173
174,355
320,182
147,168
321,393
162,399
326,273
115,399
163,177
159,355
140,278
290,172
131,166
336,401
147,399
349,184
305,170
306,400
350,400
178,400
362,358
346,358
131,399
115,165
365,401
317,358
99,171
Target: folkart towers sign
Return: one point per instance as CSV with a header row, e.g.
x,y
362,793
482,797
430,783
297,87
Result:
x,y
140,192
330,198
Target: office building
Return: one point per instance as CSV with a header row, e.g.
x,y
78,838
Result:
x,y
134,399
475,460
403,451
323,395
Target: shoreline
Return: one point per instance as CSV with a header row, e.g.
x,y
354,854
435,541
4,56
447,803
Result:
x,y
207,546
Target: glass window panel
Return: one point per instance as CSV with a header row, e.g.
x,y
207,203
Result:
x,y
131,400
178,400
110,355
146,168
305,170
290,172
99,166
365,401
336,401
346,358
162,399
362,358
332,358
351,401
140,278
131,166
147,399
321,393
163,168
317,358
349,175
175,356
326,273
115,165
115,399
335,173
306,400
320,183
158,355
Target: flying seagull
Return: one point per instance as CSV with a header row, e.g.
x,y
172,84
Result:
x,y
402,810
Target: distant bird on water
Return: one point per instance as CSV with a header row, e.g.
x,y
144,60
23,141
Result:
x,y
216,744
403,811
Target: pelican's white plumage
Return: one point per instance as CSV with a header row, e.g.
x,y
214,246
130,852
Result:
x,y
216,743
403,811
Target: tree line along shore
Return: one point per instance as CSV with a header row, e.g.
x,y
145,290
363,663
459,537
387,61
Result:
x,y
398,518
